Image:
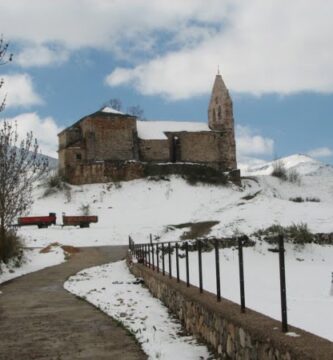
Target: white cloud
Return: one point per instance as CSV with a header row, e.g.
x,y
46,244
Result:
x,y
101,23
45,130
262,45
321,152
20,91
248,143
38,55
266,46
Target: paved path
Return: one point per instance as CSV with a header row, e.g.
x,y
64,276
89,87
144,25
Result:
x,y
41,320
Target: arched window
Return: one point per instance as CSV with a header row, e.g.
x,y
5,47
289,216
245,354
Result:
x,y
214,116
219,113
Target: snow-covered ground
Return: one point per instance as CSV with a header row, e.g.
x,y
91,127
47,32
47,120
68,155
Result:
x,y
33,260
114,290
141,207
308,277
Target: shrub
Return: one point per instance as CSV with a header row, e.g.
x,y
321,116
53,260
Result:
x,y
85,209
279,170
13,247
296,233
293,177
297,199
299,233
312,199
55,183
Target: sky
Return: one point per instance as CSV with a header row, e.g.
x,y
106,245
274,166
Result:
x,y
275,56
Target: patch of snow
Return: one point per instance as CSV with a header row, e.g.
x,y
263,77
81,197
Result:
x,y
292,334
155,130
114,290
109,109
33,261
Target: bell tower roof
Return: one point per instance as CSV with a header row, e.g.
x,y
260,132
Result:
x,y
220,113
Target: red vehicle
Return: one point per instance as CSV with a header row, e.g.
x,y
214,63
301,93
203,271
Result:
x,y
40,221
83,221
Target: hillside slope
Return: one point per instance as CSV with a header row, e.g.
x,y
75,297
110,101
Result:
x,y
168,208
141,207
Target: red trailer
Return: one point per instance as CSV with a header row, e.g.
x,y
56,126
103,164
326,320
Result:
x,y
40,221
83,221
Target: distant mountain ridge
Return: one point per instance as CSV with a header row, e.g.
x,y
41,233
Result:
x,y
303,164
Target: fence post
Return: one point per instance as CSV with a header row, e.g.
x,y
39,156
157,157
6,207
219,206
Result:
x,y
170,266
241,273
217,264
149,264
200,264
283,284
163,260
153,255
145,254
187,266
177,261
157,258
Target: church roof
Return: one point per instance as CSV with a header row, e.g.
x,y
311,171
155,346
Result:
x,y
155,130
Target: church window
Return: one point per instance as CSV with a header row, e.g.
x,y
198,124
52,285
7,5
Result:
x,y
214,116
78,157
219,113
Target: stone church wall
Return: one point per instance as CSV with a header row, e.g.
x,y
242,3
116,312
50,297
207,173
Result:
x,y
109,139
154,150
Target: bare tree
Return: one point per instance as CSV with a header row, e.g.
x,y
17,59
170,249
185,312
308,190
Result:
x,y
114,103
20,166
5,57
137,111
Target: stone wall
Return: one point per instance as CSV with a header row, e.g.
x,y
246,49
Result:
x,y
231,334
206,147
154,150
104,171
109,139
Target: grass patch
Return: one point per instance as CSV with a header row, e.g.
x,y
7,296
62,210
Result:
x,y
280,171
251,196
295,233
56,183
299,199
197,230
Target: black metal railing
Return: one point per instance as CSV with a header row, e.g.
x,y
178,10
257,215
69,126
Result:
x,y
149,254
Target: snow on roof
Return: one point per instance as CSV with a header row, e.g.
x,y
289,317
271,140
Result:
x,y
154,130
109,109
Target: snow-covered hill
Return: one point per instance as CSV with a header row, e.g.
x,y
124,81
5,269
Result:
x,y
141,207
303,164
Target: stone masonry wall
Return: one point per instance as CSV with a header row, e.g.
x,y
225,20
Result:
x,y
154,150
109,139
206,147
232,335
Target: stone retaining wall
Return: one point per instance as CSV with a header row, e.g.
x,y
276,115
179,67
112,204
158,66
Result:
x,y
229,333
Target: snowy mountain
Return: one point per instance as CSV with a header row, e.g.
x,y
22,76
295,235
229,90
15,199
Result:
x,y
303,164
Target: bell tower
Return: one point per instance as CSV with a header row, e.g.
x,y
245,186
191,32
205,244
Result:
x,y
220,114
221,121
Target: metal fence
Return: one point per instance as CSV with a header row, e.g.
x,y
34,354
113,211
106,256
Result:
x,y
153,254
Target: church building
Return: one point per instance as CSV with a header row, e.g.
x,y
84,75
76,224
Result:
x,y
110,145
